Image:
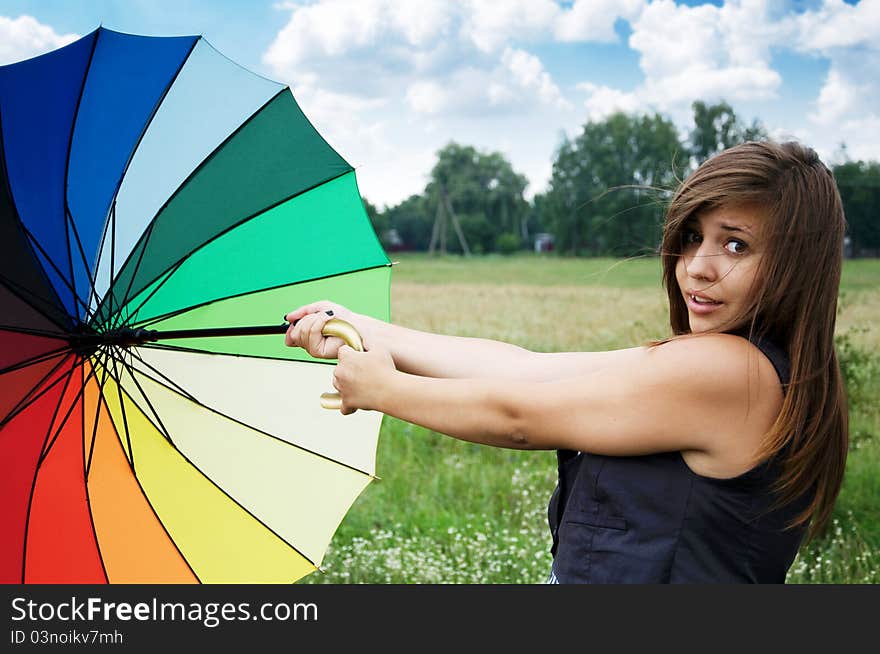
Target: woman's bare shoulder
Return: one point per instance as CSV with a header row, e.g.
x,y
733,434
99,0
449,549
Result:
x,y
734,368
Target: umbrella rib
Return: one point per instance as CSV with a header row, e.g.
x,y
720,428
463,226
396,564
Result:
x,y
172,314
102,400
171,197
232,499
220,234
88,462
112,250
94,291
82,256
67,283
17,290
179,389
34,482
242,222
86,473
118,318
37,358
128,368
79,394
73,122
256,429
18,224
70,257
24,403
122,408
137,145
31,331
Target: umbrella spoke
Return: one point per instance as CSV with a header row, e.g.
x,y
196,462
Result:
x,y
100,384
19,292
122,409
85,264
165,381
67,282
37,358
158,420
78,366
120,320
24,403
193,307
172,196
165,539
206,477
36,474
33,331
190,398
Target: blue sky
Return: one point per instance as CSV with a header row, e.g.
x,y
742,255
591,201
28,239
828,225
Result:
x,y
389,82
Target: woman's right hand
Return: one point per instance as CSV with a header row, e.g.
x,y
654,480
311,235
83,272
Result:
x,y
309,322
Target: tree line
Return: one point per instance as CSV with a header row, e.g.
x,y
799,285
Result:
x,y
606,196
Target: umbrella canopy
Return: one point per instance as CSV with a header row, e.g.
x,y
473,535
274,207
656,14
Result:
x,y
151,189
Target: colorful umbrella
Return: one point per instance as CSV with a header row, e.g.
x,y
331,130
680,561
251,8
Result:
x,y
151,190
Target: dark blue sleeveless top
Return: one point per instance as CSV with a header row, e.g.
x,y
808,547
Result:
x,y
651,519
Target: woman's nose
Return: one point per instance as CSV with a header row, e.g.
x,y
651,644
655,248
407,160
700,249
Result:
x,y
703,264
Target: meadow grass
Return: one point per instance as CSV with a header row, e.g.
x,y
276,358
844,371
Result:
x,y
446,511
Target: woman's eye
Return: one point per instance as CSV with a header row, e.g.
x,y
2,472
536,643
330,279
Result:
x,y
735,246
690,236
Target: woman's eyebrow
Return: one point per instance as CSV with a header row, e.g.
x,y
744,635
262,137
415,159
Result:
x,y
736,228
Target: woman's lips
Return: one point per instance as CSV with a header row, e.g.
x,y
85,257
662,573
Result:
x,y
703,307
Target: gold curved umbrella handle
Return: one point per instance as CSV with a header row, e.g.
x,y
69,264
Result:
x,y
347,332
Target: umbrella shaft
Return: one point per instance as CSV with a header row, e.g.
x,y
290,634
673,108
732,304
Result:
x,y
214,332
88,342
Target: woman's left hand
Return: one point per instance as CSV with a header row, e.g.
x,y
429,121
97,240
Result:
x,y
362,377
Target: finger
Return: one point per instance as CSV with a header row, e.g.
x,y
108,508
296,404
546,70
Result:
x,y
315,336
314,307
289,338
296,334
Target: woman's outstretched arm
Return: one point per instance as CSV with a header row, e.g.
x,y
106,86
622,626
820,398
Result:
x,y
436,355
714,396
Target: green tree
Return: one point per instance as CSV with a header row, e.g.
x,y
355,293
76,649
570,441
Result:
x,y
717,127
412,220
607,192
484,193
859,185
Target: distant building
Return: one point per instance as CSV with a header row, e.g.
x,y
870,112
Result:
x,y
392,242
543,242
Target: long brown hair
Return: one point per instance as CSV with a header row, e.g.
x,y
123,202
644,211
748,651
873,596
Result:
x,y
793,302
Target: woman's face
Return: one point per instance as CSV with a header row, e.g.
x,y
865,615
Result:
x,y
721,251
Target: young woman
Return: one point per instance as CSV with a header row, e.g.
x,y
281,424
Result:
x,y
704,457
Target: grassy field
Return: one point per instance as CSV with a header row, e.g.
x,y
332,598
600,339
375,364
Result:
x,y
451,512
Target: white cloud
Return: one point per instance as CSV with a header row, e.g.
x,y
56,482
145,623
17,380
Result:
x,y
604,101
489,24
427,97
594,20
332,28
706,52
407,76
25,37
529,73
404,71
837,24
848,104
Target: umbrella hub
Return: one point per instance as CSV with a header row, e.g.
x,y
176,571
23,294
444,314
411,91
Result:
x,y
85,340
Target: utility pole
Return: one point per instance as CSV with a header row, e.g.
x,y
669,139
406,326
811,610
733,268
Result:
x,y
444,212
